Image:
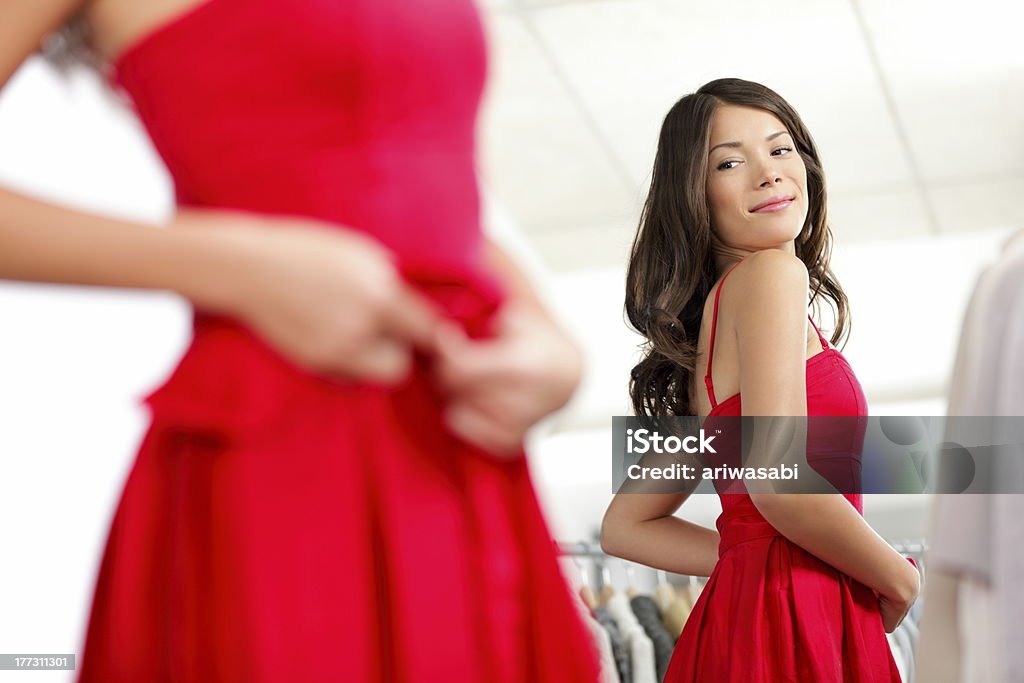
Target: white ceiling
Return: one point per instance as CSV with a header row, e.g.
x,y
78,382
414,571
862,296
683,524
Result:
x,y
917,108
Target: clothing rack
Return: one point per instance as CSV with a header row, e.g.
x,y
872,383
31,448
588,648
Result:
x,y
601,559
582,549
909,547
593,548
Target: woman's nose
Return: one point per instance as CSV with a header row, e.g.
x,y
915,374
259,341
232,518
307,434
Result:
x,y
767,166
769,174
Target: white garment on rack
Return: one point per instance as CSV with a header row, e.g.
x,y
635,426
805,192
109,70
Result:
x,y
913,633
1008,577
693,590
907,647
938,653
640,646
977,621
664,596
976,539
603,642
898,656
609,672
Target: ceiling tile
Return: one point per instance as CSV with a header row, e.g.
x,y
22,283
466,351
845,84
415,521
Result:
x,y
956,73
630,60
877,216
591,246
978,205
538,155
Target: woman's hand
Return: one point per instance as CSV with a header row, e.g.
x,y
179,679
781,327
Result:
x,y
895,607
501,386
330,299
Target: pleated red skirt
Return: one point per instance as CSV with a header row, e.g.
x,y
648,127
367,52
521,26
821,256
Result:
x,y
279,527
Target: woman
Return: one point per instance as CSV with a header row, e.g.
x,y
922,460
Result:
x,y
732,234
332,486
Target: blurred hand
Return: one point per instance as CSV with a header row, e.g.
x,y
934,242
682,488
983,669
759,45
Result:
x,y
895,608
328,298
501,386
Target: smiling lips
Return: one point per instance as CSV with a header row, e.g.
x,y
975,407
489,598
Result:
x,y
773,204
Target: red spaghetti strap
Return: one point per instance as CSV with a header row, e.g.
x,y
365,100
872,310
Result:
x,y
711,345
824,344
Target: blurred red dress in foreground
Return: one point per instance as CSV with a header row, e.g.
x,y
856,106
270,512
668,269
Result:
x,y
276,526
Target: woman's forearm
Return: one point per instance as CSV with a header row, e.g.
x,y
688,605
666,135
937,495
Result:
x,y
828,527
45,242
668,543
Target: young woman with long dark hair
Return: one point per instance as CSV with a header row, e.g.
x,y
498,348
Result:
x,y
733,245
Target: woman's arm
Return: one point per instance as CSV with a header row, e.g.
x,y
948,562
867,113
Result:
x,y
328,298
771,324
641,527
639,524
44,242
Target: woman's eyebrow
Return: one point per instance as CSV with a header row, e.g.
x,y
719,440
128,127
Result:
x,y
740,144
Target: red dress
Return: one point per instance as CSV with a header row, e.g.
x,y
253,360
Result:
x,y
771,612
277,526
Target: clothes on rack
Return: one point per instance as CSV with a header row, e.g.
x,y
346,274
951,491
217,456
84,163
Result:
x,y
615,659
609,672
601,638
620,653
973,620
674,617
897,655
641,648
664,595
649,616
990,355
693,590
903,652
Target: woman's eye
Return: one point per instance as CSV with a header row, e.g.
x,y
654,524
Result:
x,y
722,166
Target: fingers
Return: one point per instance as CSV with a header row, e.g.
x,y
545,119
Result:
x,y
411,316
466,363
408,320
387,361
484,431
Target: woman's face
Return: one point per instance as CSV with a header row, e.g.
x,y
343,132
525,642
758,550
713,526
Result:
x,y
757,165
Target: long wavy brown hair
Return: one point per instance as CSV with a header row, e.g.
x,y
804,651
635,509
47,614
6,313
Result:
x,y
672,260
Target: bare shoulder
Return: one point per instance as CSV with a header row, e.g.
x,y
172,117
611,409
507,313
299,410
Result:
x,y
769,289
768,279
770,326
764,268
